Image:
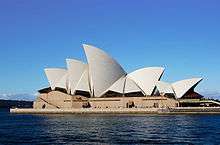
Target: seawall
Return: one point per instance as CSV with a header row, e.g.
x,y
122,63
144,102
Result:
x,y
86,111
177,110
194,110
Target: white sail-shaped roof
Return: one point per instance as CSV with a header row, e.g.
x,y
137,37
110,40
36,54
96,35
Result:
x,y
104,71
147,78
54,76
182,87
164,87
63,82
119,85
83,84
76,69
131,86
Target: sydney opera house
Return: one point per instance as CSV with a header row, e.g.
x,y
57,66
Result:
x,y
103,83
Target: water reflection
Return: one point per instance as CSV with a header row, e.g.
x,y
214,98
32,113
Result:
x,y
114,129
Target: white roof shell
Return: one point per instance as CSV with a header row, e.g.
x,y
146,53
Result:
x,y
63,82
76,69
182,87
56,77
125,85
104,71
164,87
147,78
119,85
83,84
131,86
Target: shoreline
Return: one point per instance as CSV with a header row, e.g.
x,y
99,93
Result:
x,y
176,110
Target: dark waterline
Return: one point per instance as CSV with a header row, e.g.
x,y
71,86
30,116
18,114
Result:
x,y
105,129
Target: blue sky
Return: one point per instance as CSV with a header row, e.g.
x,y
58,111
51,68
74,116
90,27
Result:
x,y
182,36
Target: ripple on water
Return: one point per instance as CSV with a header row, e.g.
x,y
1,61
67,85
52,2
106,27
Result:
x,y
104,129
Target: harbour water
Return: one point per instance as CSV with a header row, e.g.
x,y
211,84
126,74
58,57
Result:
x,y
109,129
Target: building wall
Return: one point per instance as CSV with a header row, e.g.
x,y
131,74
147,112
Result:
x,y
39,103
106,102
139,102
56,99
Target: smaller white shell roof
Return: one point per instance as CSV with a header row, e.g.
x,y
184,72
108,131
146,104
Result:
x,y
54,76
76,69
131,86
118,86
182,87
83,84
63,82
146,78
164,87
